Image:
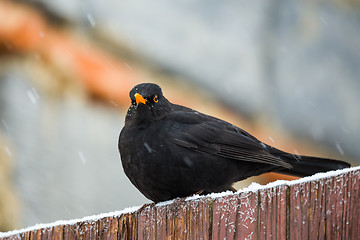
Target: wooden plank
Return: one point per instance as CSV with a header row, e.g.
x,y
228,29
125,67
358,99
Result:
x,y
299,210
128,225
108,228
78,231
176,220
322,209
198,218
305,205
332,206
347,201
317,215
90,229
336,206
179,220
69,231
338,212
235,216
354,216
21,236
225,211
272,213
281,210
161,222
247,216
47,233
58,232
147,222
36,234
329,207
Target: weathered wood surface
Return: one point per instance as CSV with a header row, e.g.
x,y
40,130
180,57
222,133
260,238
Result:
x,y
325,208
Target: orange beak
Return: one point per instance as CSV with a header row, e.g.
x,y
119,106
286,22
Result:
x,y
139,99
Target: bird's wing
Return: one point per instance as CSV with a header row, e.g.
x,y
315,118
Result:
x,y
207,134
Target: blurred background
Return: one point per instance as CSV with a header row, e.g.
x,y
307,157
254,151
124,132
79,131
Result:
x,y
288,72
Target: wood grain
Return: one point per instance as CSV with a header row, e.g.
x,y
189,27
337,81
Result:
x,y
325,208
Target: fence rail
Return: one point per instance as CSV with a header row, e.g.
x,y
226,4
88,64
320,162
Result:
x,y
325,206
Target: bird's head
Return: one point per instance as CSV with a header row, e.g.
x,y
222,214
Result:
x,y
147,104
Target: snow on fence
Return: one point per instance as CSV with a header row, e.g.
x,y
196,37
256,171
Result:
x,y
324,206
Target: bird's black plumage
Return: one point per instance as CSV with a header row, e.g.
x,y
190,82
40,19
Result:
x,y
170,151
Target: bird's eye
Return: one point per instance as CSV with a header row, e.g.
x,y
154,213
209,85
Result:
x,y
155,99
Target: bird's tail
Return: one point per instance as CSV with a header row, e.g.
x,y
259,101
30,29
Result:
x,y
306,166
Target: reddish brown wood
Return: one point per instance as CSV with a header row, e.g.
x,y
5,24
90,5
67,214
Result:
x,y
354,208
305,203
183,219
147,223
224,217
69,231
337,205
24,236
128,226
47,233
90,229
179,220
36,234
330,208
235,216
280,227
199,214
57,232
79,233
347,202
161,222
247,216
327,208
272,213
299,210
108,228
176,220
317,215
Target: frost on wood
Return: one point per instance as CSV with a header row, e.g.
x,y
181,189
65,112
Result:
x,y
321,206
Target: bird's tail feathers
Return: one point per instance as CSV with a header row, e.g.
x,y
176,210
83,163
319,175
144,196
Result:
x,y
306,166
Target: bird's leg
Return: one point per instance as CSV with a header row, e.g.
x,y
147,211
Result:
x,y
233,189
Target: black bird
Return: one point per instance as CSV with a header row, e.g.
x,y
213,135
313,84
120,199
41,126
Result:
x,y
170,151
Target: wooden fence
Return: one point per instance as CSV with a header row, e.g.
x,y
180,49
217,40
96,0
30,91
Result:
x,y
326,206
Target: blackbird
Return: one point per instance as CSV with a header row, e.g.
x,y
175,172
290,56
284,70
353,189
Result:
x,y
170,151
